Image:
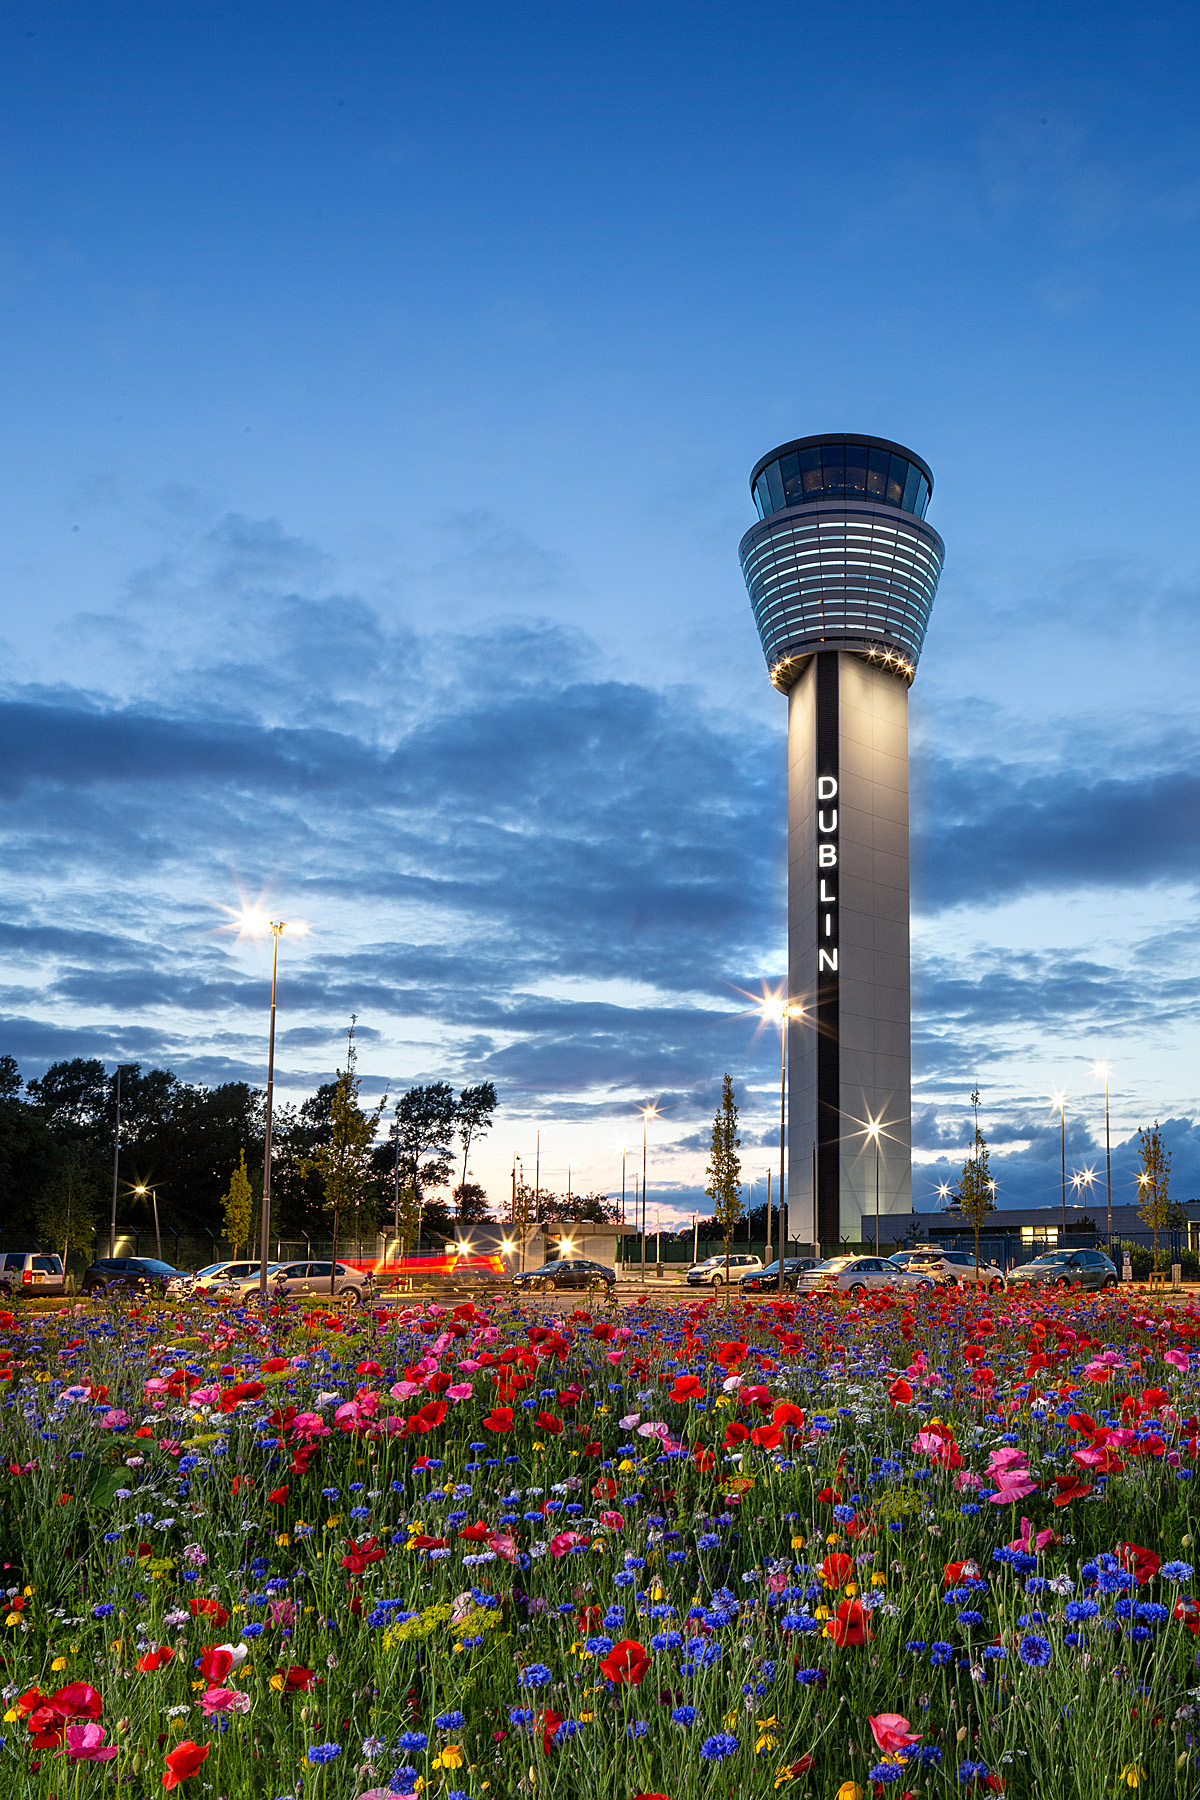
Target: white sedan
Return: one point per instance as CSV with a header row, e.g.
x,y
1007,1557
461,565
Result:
x,y
846,1274
956,1268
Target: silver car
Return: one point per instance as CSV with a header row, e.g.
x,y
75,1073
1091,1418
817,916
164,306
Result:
x,y
711,1272
225,1274
847,1274
313,1278
956,1268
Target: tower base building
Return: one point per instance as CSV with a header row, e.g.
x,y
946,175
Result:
x,y
842,571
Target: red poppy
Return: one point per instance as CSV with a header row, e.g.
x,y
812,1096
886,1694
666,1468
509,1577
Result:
x,y
550,1722
687,1388
837,1569
439,1382
156,1659
767,1437
953,1572
358,1556
1187,1611
242,1390
1068,1488
475,1534
215,1664
373,1369
900,1393
735,1433
183,1762
430,1417
208,1609
275,1365
499,1419
849,1629
421,1542
549,1423
785,1414
1143,1563
626,1661
703,1459
729,1354
278,1496
77,1701
297,1679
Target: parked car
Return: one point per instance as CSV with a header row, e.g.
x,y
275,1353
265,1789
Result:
x,y
1066,1268
711,1272
567,1272
902,1258
32,1271
313,1278
222,1274
766,1281
955,1268
844,1274
118,1275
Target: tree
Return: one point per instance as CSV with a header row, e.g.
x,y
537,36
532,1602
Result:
x,y
547,1208
344,1163
66,1209
473,1118
237,1205
1154,1182
470,1203
975,1183
725,1170
420,1148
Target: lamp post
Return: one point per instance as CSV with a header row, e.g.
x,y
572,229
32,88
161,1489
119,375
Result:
x,y
873,1134
1102,1069
252,924
112,1229
775,1006
141,1190
648,1113
1060,1100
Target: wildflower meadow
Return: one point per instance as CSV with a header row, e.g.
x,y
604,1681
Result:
x,y
834,1547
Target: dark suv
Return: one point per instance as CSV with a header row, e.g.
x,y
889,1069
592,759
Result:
x,y
1066,1268
567,1272
119,1275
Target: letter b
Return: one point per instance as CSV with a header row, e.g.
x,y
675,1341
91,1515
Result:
x,y
827,856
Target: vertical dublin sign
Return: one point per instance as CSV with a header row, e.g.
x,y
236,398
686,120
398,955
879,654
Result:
x,y
842,570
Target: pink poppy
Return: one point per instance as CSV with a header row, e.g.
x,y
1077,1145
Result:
x,y
223,1699
461,1390
85,1743
891,1732
566,1540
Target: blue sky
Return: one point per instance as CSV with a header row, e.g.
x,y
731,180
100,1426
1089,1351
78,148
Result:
x,y
381,384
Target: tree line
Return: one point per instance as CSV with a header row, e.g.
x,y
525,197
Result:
x,y
198,1151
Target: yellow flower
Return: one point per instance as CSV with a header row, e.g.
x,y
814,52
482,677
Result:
x,y
277,1683
624,1467
336,1520
822,1612
797,1543
59,1663
832,1538
1132,1776
452,1757
851,1588
850,1790
11,1715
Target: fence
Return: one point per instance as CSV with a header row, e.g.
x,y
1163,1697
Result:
x,y
1008,1249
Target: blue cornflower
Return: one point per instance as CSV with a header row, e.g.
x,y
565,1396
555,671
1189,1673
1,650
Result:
x,y
566,1730
520,1715
972,1771
1076,1611
1176,1571
450,1721
413,1740
940,1654
683,1715
103,1612
916,1647
886,1772
536,1675
637,1728
717,1748
1034,1650
323,1753
970,1618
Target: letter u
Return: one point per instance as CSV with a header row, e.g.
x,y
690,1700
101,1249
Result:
x,y
831,816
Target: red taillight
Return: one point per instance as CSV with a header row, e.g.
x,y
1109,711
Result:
x,y
27,1275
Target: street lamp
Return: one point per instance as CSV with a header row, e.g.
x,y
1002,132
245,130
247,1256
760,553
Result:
x,y
872,1131
648,1113
943,1192
141,1190
778,1007
1098,1070
252,924
112,1230
1060,1100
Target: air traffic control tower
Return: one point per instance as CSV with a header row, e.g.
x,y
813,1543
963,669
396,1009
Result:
x,y
841,570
